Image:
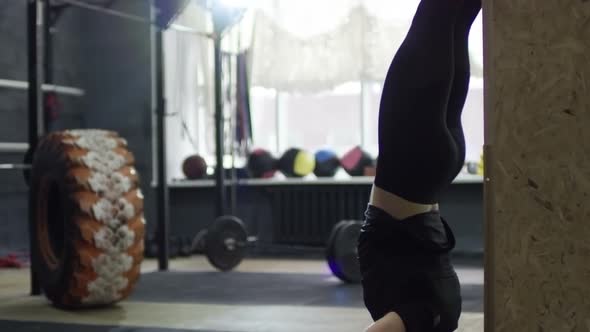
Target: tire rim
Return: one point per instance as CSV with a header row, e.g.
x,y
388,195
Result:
x,y
50,223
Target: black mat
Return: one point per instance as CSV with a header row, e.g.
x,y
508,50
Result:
x,y
12,326
238,288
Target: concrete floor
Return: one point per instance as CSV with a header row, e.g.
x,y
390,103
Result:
x,y
19,312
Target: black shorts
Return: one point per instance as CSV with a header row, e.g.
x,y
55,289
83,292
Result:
x,y
406,268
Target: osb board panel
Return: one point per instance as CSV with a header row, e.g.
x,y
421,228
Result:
x,y
538,123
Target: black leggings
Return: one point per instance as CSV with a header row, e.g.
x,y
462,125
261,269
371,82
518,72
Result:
x,y
421,141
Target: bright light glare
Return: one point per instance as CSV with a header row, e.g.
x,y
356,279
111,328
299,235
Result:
x,y
237,3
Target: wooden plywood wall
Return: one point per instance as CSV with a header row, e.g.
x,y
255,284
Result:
x,y
537,102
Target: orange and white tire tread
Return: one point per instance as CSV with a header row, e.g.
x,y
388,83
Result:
x,y
116,204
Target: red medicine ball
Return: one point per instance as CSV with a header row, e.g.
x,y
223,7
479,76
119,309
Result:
x,y
194,167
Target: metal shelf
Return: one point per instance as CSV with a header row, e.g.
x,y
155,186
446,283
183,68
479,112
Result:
x,y
361,180
22,85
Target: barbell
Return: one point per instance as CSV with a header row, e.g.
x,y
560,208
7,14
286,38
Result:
x,y
226,240
25,166
15,166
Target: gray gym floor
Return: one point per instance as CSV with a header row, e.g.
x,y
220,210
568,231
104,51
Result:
x,y
261,295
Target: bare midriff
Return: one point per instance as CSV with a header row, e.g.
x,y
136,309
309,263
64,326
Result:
x,y
396,206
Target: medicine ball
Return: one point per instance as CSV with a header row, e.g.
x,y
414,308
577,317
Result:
x,y
194,167
261,164
326,163
480,165
355,161
472,167
297,163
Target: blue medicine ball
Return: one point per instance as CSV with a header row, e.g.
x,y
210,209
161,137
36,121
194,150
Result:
x,y
326,163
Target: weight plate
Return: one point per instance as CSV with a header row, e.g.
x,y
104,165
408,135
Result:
x,y
225,246
330,244
342,252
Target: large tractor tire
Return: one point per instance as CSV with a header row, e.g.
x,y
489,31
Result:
x,y
88,223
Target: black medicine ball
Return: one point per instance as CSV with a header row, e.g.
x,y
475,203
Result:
x,y
296,163
261,164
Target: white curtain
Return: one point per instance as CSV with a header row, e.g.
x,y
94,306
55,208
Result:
x,y
312,45
305,46
189,82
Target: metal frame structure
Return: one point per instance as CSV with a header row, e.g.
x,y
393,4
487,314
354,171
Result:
x,y
40,79
163,228
34,43
39,70
23,85
220,192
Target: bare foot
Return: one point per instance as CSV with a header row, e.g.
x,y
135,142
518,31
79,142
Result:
x,y
389,323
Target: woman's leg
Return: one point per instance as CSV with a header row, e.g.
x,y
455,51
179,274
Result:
x,y
471,9
417,153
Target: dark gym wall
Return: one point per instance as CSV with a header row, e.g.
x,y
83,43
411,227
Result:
x,y
13,125
13,106
116,67
107,57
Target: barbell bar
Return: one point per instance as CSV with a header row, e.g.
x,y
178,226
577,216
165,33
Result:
x,y
15,166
